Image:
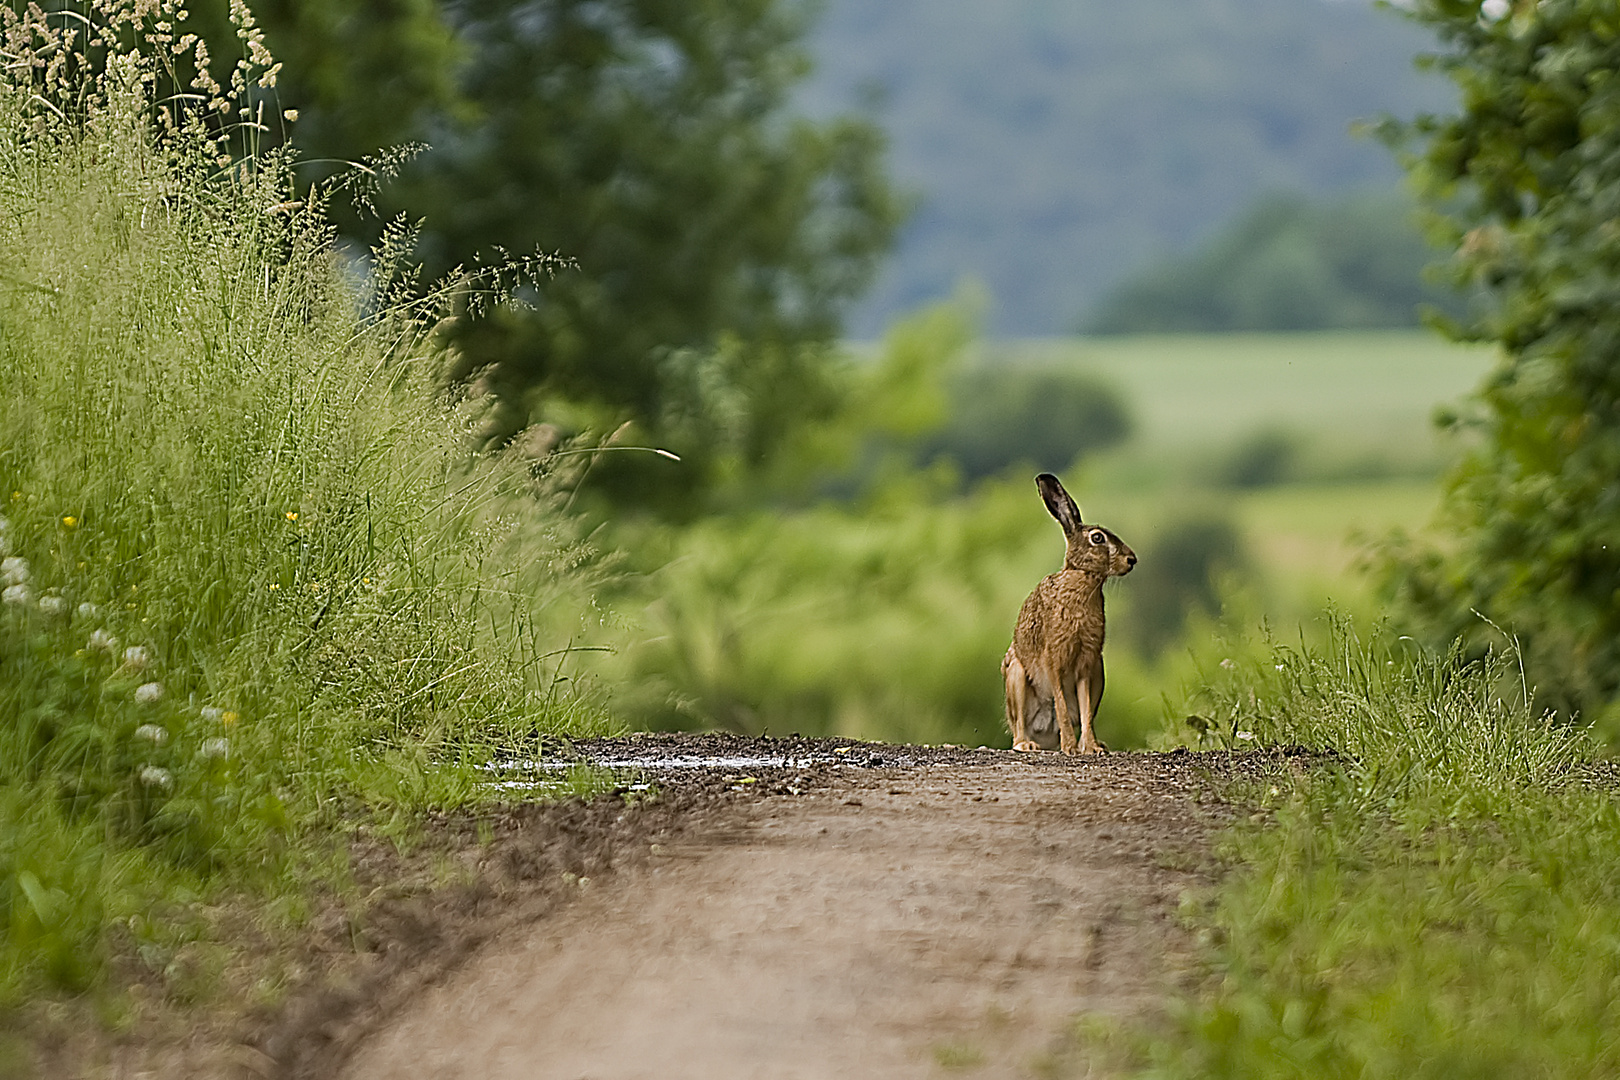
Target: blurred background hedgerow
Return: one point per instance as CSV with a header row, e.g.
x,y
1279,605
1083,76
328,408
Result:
x,y
817,253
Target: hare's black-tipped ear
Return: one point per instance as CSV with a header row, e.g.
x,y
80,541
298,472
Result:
x,y
1058,502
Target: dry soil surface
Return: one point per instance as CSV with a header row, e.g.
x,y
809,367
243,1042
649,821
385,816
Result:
x,y
841,910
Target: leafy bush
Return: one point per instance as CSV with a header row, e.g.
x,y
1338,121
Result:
x,y
886,621
1523,181
1268,457
250,566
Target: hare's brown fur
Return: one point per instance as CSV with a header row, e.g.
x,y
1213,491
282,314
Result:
x,y
1054,671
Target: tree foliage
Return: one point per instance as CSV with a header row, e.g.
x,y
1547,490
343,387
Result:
x,y
716,234
1287,264
361,75
1526,179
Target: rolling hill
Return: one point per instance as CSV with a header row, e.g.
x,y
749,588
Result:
x,y
1056,146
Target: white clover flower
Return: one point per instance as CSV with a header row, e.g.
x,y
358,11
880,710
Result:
x,y
52,605
152,776
14,570
87,610
1246,736
153,734
101,641
1227,664
214,748
136,657
146,693
212,713
15,594
1495,10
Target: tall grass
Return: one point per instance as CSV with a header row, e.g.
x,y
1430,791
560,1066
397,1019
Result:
x,y
1410,722
252,571
1442,899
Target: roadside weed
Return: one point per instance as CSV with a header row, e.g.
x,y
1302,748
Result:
x,y
1439,897
247,551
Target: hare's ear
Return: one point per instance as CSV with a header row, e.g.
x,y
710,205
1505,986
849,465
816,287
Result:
x,y
1058,502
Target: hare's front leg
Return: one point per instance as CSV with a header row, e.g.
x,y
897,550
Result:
x,y
1018,693
1065,718
1089,694
1095,680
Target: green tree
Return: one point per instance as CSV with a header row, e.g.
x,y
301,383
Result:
x,y
1525,180
1287,264
716,234
1045,418
363,75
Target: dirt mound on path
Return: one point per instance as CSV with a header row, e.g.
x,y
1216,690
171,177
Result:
x,y
807,908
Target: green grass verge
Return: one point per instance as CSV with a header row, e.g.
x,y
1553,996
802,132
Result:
x,y
1442,899
253,577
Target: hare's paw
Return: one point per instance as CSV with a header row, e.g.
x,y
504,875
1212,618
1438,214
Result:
x,y
1025,747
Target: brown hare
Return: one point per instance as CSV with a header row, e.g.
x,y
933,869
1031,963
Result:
x,y
1054,671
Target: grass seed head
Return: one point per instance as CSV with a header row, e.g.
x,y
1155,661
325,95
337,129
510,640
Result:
x,y
153,776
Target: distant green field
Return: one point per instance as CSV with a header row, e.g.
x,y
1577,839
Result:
x,y
1299,532
1312,529
1188,390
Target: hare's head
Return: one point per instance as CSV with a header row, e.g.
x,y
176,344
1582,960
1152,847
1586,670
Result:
x,y
1091,547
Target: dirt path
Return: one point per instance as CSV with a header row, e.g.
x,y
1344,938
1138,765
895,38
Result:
x,y
948,911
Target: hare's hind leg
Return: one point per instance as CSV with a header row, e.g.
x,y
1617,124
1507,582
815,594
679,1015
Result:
x,y
1018,694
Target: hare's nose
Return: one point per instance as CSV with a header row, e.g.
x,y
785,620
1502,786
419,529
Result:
x,y
1130,560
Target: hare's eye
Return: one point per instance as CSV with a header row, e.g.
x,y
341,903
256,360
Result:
x,y
1098,538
